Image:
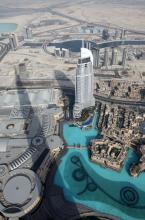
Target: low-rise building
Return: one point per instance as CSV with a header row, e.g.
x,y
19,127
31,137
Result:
x,y
108,153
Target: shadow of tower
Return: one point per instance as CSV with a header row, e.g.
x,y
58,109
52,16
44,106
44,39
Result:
x,y
68,89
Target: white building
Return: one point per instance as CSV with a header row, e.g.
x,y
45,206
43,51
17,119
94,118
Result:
x,y
13,41
84,83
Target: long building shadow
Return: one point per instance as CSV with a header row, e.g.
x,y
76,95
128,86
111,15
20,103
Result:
x,y
41,212
68,91
33,138
53,205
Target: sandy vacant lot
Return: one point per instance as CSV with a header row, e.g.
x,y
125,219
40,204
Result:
x,y
124,13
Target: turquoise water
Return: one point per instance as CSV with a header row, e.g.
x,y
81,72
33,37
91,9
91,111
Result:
x,y
74,135
99,188
7,27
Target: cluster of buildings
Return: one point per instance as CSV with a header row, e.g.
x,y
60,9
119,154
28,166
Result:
x,y
62,52
121,120
13,39
121,123
110,57
104,32
120,104
30,140
123,89
108,153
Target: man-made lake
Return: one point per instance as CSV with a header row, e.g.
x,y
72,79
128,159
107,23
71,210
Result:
x,y
73,45
102,189
7,27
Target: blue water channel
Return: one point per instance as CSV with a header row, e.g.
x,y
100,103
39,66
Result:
x,y
73,45
7,27
102,189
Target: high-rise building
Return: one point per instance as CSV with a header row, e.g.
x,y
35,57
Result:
x,y
57,52
88,45
114,60
116,34
96,57
28,33
123,34
106,57
84,82
65,53
13,41
124,57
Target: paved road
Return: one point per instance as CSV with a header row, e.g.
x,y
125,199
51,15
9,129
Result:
x,y
53,11
117,43
120,101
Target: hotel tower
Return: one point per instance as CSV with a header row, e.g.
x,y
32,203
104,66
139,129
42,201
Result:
x,y
84,82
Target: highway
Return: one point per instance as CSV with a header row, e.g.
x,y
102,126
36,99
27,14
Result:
x,y
54,12
42,83
119,101
111,26
74,18
117,43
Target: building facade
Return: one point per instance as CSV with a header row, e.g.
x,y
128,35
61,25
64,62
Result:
x,y
28,33
84,82
13,42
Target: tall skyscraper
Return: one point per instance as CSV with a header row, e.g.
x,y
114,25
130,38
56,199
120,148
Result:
x,y
84,83
96,57
13,41
28,33
65,53
106,57
124,57
114,60
57,52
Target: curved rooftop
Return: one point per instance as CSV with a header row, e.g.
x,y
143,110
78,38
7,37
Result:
x,y
21,193
17,189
